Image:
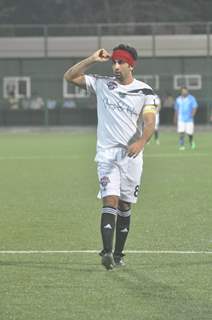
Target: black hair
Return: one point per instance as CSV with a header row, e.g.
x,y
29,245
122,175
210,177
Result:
x,y
183,87
127,48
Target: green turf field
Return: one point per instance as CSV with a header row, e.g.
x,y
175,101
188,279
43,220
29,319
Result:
x,y
48,190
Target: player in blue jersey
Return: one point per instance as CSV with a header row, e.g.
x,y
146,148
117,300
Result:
x,y
185,110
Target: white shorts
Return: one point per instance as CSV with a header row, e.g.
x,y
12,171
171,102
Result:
x,y
119,174
157,121
187,127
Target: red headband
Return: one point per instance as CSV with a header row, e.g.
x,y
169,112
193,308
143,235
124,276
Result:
x,y
124,55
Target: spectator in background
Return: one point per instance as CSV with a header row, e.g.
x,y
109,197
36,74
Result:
x,y
185,110
36,102
13,101
25,103
51,104
11,95
168,101
69,104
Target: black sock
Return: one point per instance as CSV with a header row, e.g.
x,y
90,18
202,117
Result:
x,y
107,227
156,135
190,136
122,230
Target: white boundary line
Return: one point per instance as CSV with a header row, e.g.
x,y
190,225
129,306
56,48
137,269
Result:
x,y
97,251
41,157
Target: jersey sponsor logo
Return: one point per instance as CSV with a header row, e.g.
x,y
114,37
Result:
x,y
112,85
120,106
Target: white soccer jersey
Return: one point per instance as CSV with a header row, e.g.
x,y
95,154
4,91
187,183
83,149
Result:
x,y
118,108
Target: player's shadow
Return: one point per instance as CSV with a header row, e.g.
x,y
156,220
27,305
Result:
x,y
57,266
158,292
148,288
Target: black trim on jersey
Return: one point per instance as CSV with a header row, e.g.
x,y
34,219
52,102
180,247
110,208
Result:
x,y
145,91
98,76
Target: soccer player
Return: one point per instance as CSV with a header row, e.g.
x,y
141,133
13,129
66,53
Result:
x,y
185,110
126,121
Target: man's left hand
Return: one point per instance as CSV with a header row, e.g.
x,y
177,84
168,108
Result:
x,y
135,148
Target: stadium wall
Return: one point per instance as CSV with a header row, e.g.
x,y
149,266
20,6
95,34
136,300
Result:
x,y
46,76
160,45
44,59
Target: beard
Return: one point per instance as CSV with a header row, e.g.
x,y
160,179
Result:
x,y
118,75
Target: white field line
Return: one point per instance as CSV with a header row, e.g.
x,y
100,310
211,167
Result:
x,y
97,251
76,156
39,157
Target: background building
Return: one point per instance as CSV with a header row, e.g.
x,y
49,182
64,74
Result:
x,y
34,57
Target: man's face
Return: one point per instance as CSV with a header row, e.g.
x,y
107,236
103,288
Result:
x,y
184,92
121,69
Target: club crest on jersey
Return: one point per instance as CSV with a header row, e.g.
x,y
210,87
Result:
x,y
112,85
104,181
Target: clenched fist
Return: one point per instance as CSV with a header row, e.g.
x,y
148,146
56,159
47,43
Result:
x,y
101,55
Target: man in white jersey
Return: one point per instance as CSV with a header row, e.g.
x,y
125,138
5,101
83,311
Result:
x,y
126,121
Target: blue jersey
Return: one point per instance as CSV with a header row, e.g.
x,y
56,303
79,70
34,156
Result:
x,y
184,107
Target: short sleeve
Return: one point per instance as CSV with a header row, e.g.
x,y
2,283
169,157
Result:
x,y
90,81
194,102
157,101
150,104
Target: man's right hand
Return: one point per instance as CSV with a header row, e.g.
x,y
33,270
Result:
x,y
76,75
101,55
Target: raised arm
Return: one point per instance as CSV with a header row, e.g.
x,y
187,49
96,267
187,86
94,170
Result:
x,y
75,74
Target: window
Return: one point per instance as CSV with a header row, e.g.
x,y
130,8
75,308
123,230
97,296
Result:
x,y
17,87
71,91
191,81
151,79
